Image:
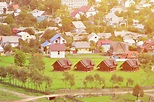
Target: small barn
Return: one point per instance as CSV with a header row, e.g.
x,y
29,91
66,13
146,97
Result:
x,y
107,65
130,65
85,65
62,65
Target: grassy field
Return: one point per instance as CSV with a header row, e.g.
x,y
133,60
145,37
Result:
x,y
7,97
138,77
117,98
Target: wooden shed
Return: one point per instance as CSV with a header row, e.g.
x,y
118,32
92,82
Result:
x,y
85,65
130,65
62,65
107,65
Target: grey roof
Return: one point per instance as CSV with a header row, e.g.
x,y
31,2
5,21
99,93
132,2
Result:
x,y
11,39
79,25
81,44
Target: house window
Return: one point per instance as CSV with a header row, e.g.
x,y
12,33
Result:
x,y
133,54
58,52
56,41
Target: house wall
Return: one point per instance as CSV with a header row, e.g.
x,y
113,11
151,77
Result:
x,y
94,38
103,67
127,67
80,67
55,54
83,51
74,3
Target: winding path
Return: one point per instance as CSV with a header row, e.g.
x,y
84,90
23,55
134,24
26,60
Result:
x,y
83,92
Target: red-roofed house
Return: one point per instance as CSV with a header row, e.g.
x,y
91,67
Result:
x,y
148,46
132,55
57,50
118,49
84,10
62,65
84,65
107,65
105,44
130,65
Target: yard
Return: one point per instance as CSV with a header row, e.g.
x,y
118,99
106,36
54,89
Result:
x,y
138,77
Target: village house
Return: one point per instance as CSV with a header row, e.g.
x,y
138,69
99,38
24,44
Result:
x,y
81,47
62,65
147,46
3,7
12,40
93,37
105,44
74,3
25,36
107,65
79,27
114,20
118,50
104,35
84,65
132,55
57,50
130,65
56,39
87,11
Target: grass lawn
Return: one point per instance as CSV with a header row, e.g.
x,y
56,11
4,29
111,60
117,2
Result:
x,y
117,98
7,97
138,77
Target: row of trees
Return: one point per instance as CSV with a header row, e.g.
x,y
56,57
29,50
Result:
x,y
26,78
95,81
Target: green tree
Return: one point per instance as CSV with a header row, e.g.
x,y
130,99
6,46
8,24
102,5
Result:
x,y
3,72
52,5
92,45
66,24
29,31
19,58
62,12
48,34
36,62
7,48
89,79
138,91
129,82
5,30
9,19
113,79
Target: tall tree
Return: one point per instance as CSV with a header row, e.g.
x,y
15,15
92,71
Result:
x,y
19,58
36,62
138,91
62,12
5,30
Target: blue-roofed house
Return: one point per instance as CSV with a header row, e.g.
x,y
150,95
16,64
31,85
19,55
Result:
x,y
57,39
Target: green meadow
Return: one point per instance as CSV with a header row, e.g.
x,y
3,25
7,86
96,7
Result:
x,y
138,76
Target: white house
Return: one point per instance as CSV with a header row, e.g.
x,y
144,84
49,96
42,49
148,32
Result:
x,y
128,3
25,36
2,6
79,27
74,3
12,40
93,37
57,50
57,39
